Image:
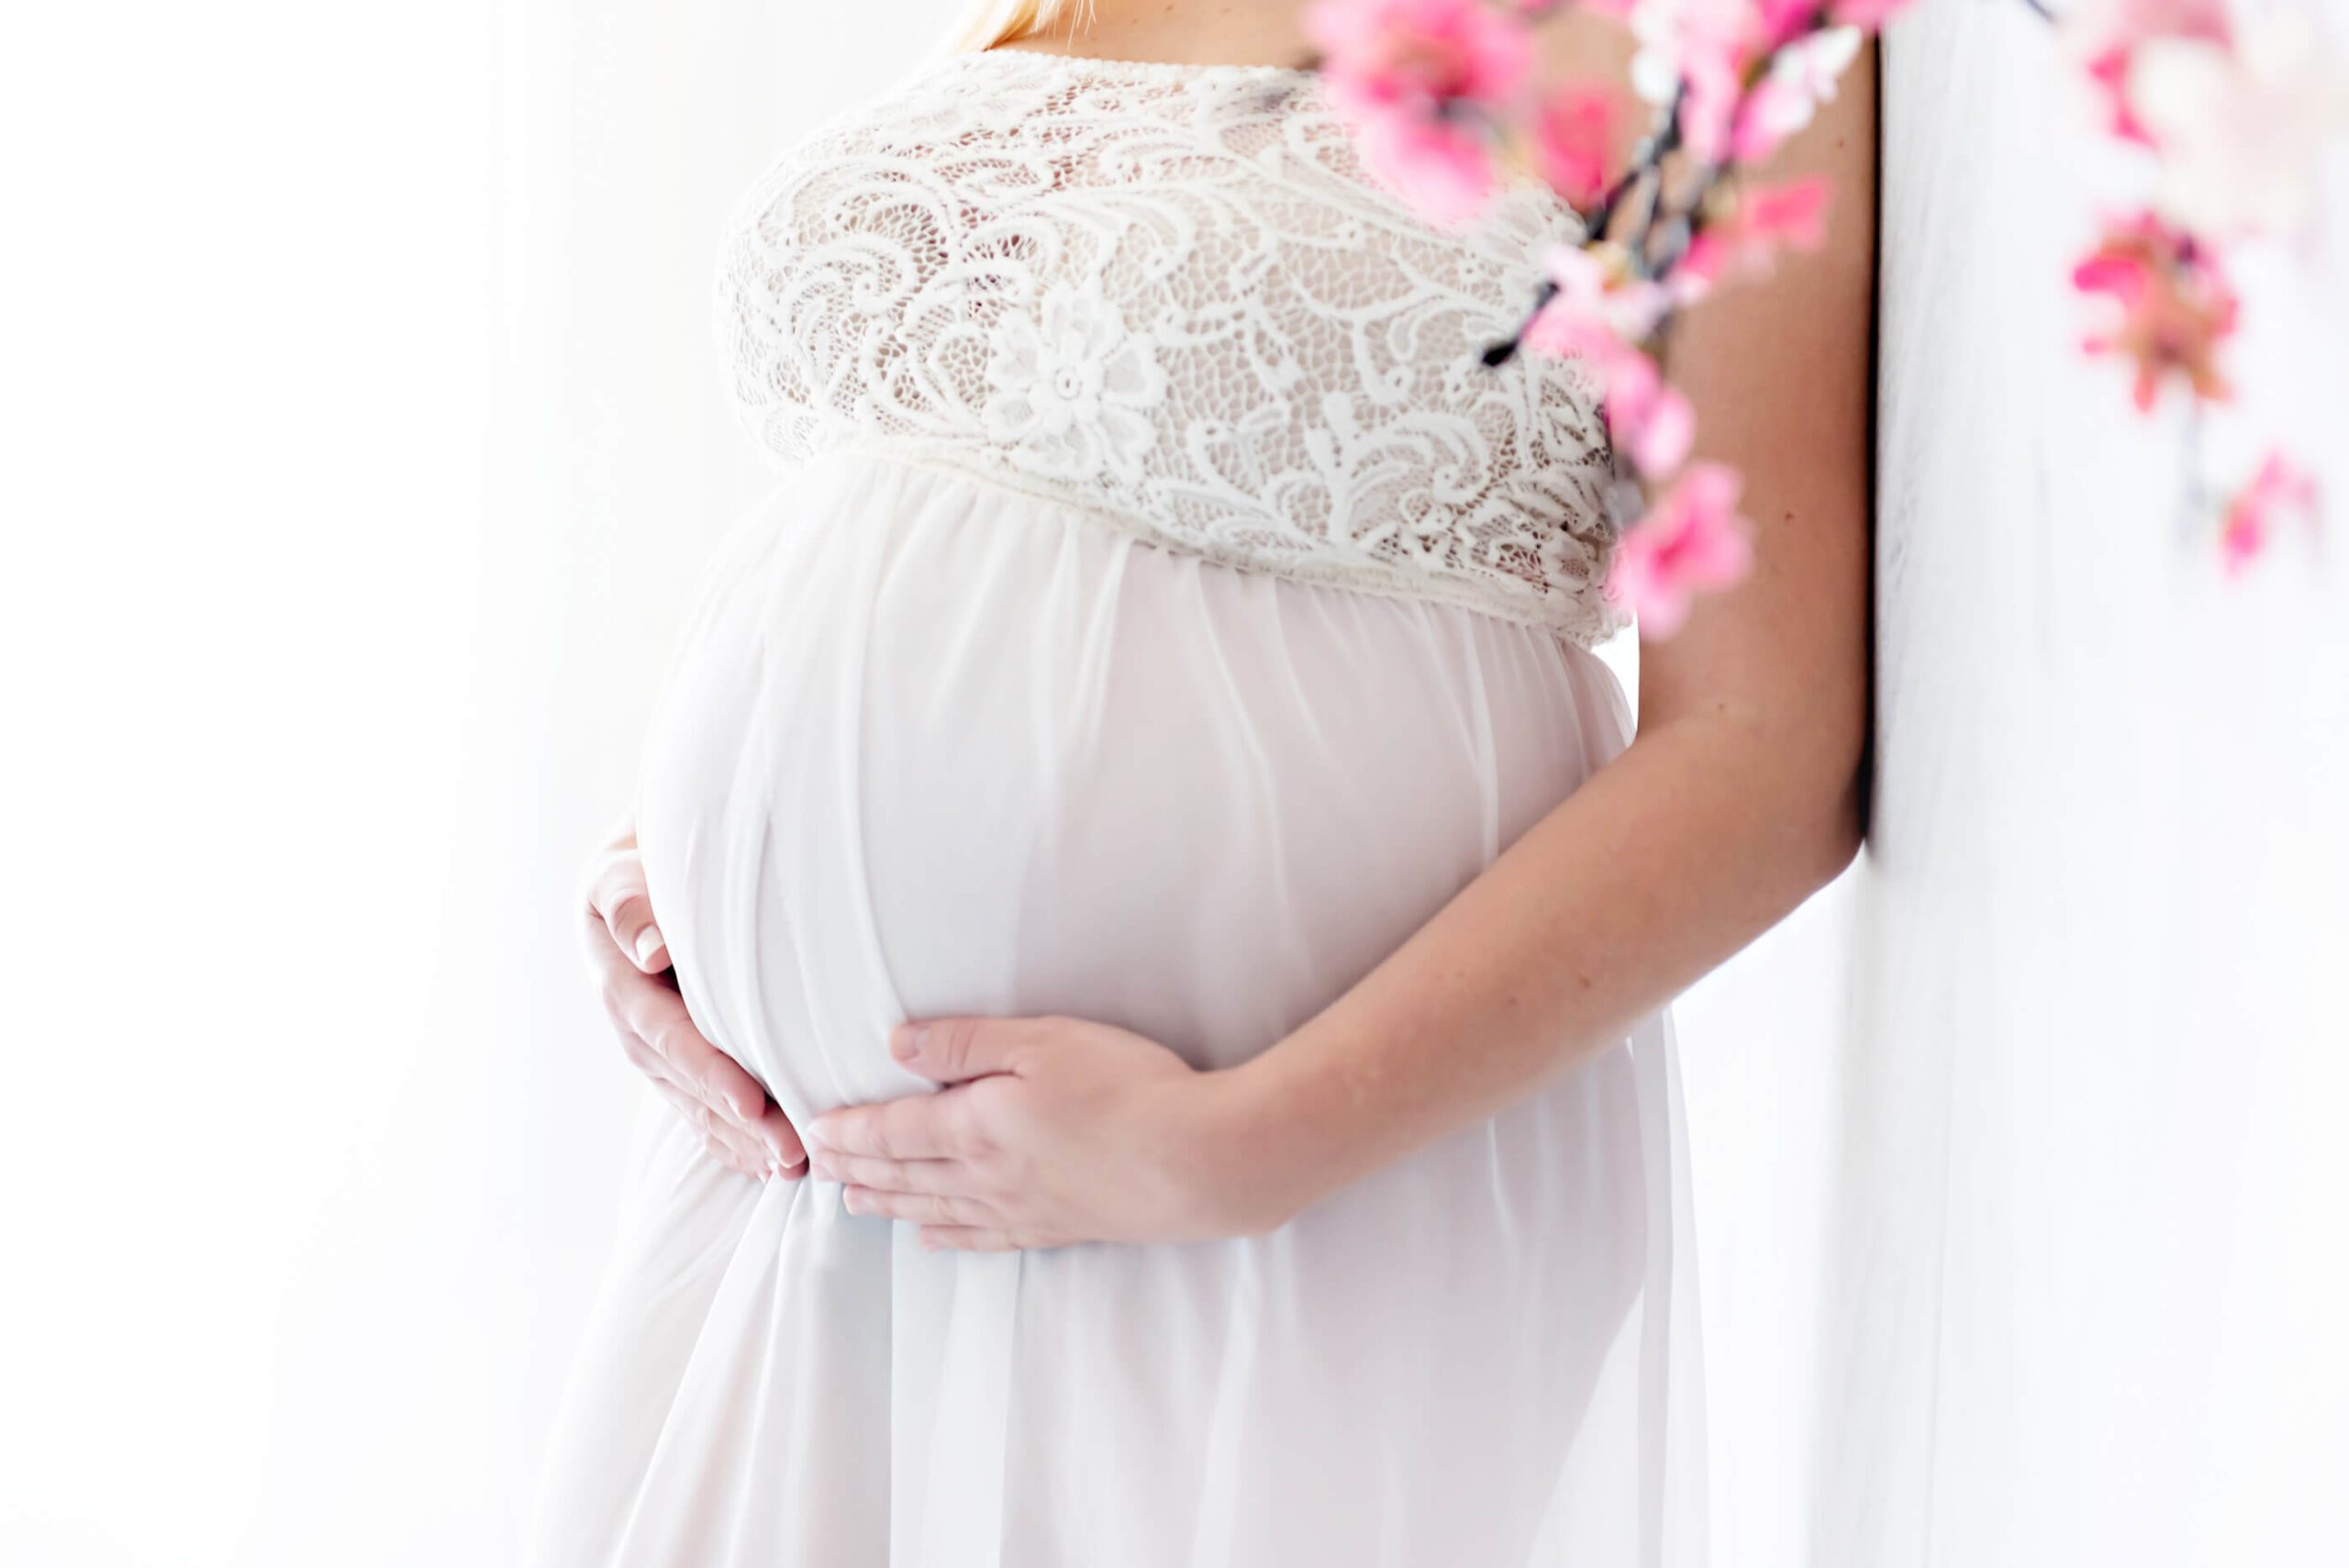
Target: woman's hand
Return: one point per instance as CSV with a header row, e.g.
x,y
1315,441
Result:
x,y
633,976
1050,1131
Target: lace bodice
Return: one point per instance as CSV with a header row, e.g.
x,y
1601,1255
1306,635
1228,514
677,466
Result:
x,y
1170,294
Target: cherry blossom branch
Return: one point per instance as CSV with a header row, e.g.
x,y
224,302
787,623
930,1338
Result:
x,y
1441,95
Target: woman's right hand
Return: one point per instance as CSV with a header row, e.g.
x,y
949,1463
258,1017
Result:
x,y
639,988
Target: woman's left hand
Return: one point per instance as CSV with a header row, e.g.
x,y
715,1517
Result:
x,y
1049,1130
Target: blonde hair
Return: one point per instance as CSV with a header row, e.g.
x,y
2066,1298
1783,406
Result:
x,y
991,22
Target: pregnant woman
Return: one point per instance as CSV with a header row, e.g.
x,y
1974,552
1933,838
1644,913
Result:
x,y
1152,911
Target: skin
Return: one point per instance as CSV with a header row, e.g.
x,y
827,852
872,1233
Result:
x,y
637,986
1741,795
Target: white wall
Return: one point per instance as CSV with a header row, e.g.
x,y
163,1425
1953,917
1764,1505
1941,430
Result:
x,y
2019,1151
364,435
243,401
2092,1263
364,429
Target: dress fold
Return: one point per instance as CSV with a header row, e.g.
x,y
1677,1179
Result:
x,y
934,745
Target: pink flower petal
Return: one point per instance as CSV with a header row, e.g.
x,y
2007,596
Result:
x,y
1445,172
1691,541
2278,489
1425,84
1868,15
1574,143
1652,421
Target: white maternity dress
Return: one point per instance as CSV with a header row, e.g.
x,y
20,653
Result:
x,y
1161,613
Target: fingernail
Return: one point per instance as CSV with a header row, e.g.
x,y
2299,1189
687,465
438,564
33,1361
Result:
x,y
853,1201
904,1042
648,943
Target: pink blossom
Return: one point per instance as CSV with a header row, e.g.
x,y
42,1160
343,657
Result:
x,y
1646,417
1544,10
1691,541
2240,129
1573,144
2107,33
1655,64
1417,54
1712,86
2173,303
1868,15
1598,304
1802,76
1715,49
1780,22
1792,213
1442,170
1421,82
1711,44
2257,509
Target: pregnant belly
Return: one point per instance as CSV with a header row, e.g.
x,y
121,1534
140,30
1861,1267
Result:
x,y
934,747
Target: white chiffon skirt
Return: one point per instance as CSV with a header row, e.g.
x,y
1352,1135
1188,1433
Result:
x,y
936,746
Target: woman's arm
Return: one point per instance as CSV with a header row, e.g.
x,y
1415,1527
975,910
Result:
x,y
1741,795
1740,798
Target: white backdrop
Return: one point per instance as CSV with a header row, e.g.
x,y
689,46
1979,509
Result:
x,y
2089,1190
364,435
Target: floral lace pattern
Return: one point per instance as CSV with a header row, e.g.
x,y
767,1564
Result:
x,y
1073,388
1170,294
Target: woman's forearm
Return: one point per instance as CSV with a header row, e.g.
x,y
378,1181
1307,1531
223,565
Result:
x,y
1704,833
